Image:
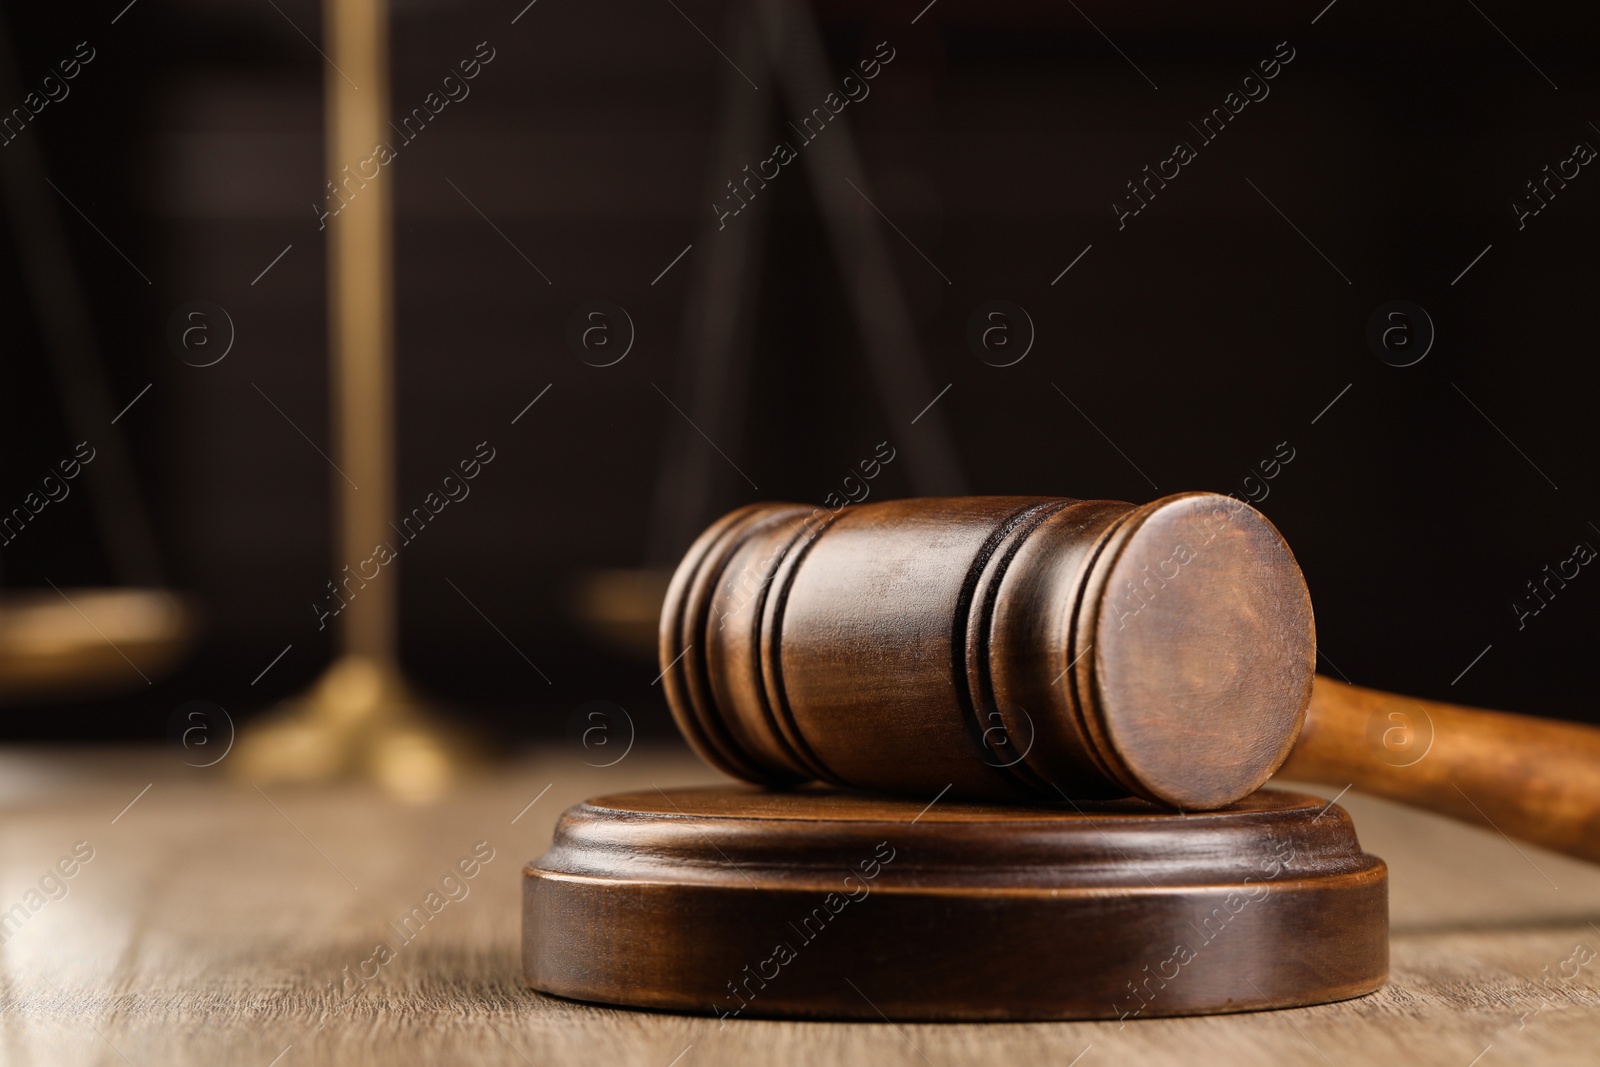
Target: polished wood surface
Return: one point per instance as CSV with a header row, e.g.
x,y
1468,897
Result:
x,y
742,903
1534,779
212,928
1006,647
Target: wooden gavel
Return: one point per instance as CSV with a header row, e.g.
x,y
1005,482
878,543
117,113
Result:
x,y
1051,649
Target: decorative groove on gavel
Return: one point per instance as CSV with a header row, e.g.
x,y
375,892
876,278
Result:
x,y
1047,648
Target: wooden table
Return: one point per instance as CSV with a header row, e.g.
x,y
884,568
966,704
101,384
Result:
x,y
214,924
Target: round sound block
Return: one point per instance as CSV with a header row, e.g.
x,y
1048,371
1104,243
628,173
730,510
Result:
x,y
738,902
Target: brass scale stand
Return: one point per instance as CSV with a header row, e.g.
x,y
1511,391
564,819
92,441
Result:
x,y
360,718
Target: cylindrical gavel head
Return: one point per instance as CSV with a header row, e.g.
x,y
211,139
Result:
x,y
1003,647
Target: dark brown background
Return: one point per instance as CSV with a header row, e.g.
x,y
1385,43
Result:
x,y
1197,338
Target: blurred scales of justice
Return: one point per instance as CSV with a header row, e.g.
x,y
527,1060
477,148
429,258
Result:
x,y
361,719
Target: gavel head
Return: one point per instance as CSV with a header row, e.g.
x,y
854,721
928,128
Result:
x,y
998,647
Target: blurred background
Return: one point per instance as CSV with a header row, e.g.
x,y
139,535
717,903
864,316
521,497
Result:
x,y
1190,346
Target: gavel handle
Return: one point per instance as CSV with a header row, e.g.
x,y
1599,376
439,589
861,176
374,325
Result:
x,y
1529,778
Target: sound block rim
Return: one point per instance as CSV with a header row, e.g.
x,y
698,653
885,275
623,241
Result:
x,y
684,900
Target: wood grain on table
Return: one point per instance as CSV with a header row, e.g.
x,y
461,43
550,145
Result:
x,y
214,924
